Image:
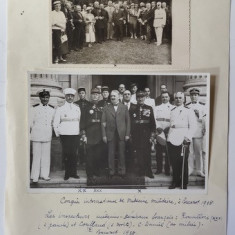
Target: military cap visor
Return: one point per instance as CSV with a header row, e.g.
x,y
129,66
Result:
x,y
43,92
105,88
95,91
81,89
194,91
140,94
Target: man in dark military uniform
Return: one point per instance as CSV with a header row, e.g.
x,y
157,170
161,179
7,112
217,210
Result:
x,y
105,94
143,128
93,136
83,104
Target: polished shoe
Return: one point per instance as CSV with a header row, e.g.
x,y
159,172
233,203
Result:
x,y
200,173
167,173
151,176
66,177
158,172
46,179
184,186
75,176
62,60
35,183
172,186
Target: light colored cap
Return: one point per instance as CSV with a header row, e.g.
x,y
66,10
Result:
x,y
69,91
56,3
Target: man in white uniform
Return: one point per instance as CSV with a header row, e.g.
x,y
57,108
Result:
x,y
182,128
67,126
162,117
159,22
41,133
196,155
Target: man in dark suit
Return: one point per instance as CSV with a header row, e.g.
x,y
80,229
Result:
x,y
101,17
143,128
118,21
79,31
115,125
94,137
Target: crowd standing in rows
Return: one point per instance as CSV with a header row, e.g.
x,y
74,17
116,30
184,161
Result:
x,y
75,26
121,126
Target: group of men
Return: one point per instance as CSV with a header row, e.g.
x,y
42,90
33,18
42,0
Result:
x,y
115,132
113,19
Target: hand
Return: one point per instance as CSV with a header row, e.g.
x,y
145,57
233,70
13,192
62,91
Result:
x,y
159,130
105,140
121,19
127,138
186,141
113,24
166,130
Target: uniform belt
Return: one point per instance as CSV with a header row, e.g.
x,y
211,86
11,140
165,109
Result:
x,y
95,120
159,18
179,127
141,121
69,119
163,119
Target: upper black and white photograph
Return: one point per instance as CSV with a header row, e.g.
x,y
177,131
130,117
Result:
x,y
147,132
112,32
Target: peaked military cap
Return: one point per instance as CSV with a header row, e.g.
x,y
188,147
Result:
x,y
194,90
140,94
95,90
44,92
105,88
81,89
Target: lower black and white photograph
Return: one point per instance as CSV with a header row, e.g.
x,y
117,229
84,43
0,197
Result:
x,y
122,133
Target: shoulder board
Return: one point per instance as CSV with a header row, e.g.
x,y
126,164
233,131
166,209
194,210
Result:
x,y
173,108
51,106
186,107
35,105
201,103
76,104
188,104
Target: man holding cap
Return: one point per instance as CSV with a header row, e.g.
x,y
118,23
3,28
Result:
x,y
67,126
142,129
198,109
40,134
182,127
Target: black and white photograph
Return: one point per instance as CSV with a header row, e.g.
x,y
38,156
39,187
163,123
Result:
x,y
112,32
105,131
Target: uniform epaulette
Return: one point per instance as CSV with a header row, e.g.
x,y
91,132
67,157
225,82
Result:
x,y
76,105
188,104
35,105
204,115
173,108
201,103
186,107
51,106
